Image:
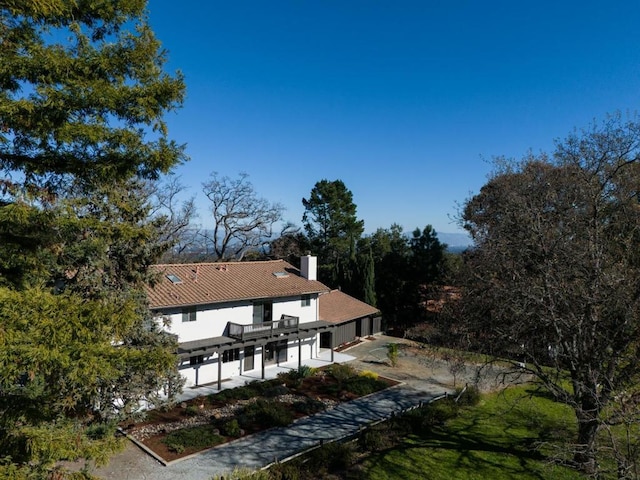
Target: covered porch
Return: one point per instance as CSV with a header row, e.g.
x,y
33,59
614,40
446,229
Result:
x,y
265,340
325,358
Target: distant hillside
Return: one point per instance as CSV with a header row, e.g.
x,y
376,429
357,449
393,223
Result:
x,y
456,242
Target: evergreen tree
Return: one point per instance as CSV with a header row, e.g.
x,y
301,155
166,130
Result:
x,y
390,253
427,256
369,280
82,96
333,230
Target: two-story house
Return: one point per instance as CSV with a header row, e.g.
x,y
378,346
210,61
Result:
x,y
236,317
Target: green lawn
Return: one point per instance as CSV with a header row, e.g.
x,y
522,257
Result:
x,y
498,439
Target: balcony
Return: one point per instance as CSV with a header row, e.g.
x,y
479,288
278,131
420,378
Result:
x,y
287,324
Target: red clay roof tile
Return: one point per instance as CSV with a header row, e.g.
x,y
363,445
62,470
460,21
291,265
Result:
x,y
204,283
338,307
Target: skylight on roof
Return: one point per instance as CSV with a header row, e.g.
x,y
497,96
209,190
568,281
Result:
x,y
174,278
280,274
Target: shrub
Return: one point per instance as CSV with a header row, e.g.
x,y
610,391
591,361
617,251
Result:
x,y
332,457
392,353
99,431
305,371
275,391
286,471
252,389
243,473
290,379
433,414
342,372
470,397
363,385
373,440
265,415
190,411
369,374
309,406
194,437
231,428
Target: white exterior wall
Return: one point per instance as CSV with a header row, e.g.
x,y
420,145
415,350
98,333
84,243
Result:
x,y
293,306
212,320
208,371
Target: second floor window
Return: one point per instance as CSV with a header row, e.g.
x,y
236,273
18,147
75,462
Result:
x,y
189,314
262,312
306,300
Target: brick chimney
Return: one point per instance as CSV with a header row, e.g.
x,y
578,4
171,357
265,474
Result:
x,y
309,267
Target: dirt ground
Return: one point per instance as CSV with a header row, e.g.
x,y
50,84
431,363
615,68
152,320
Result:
x,y
418,366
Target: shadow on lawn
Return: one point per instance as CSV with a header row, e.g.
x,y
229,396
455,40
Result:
x,y
467,450
495,444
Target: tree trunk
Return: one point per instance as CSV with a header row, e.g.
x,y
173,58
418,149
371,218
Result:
x,y
585,455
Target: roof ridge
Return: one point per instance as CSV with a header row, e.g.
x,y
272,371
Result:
x,y
218,263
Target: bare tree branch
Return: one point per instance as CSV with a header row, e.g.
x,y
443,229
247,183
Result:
x,y
242,220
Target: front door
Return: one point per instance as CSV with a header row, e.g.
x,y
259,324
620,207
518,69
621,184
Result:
x,y
270,357
248,358
281,349
325,340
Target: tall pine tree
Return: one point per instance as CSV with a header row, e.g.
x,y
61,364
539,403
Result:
x,y
82,99
333,230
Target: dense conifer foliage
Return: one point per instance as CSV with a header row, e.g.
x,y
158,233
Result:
x,y
82,99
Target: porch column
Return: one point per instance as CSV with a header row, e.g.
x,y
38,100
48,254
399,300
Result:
x,y
331,343
264,347
219,370
299,353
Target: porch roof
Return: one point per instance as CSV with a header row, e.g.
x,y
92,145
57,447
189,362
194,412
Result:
x,y
207,346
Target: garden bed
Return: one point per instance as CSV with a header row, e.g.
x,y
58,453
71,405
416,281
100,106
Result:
x,y
208,421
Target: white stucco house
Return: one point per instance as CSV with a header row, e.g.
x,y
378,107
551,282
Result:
x,y
236,317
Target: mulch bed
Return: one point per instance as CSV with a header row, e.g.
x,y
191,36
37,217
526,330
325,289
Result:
x,y
208,410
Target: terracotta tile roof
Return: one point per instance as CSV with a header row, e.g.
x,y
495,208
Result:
x,y
338,307
203,283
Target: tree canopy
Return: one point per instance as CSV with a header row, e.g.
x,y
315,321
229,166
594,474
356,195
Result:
x,y
332,227
82,93
82,99
242,220
554,277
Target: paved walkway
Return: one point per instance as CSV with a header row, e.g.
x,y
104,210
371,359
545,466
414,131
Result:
x,y
261,449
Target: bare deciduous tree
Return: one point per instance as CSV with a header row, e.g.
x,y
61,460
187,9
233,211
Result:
x,y
242,220
173,216
554,277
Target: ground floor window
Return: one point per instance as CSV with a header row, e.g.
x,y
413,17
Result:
x,y
196,360
230,355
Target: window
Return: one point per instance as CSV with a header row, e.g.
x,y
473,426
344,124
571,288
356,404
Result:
x,y
174,278
262,312
306,300
189,314
197,360
230,355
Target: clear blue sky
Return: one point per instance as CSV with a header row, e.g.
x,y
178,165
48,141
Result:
x,y
405,101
